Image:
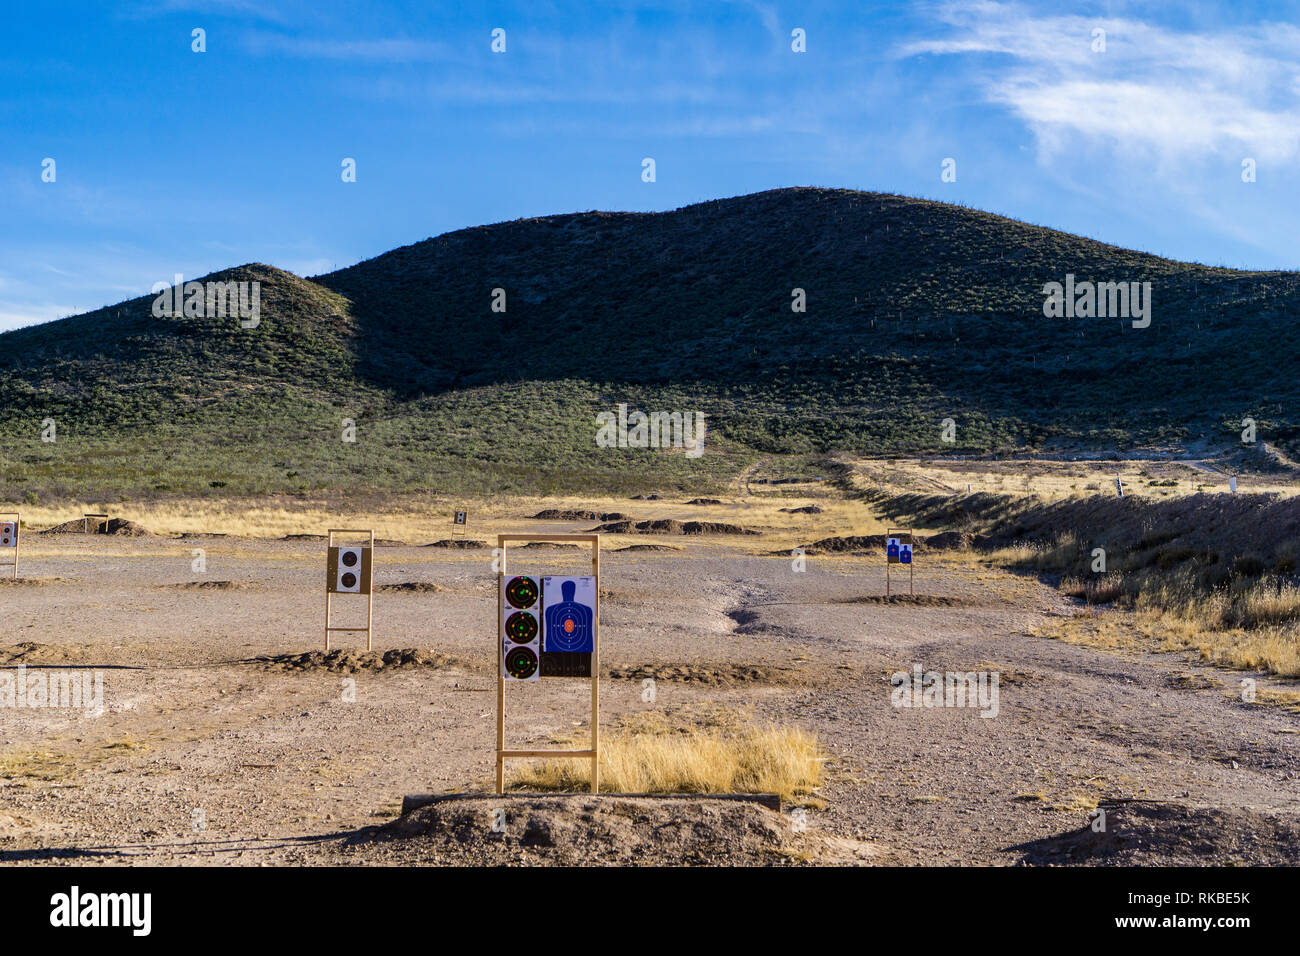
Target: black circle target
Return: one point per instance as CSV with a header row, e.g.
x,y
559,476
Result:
x,y
521,627
521,663
349,558
349,580
521,592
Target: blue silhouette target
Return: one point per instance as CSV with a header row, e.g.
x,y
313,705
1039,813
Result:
x,y
569,614
905,554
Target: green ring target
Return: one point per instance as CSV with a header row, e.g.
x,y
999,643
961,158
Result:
x,y
522,592
521,663
521,627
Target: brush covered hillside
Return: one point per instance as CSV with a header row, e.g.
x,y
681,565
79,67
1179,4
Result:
x,y
916,311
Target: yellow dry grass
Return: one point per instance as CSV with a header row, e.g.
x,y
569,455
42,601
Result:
x,y
1052,480
420,519
784,760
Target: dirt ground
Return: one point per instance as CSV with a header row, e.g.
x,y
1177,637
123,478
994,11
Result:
x,y
221,743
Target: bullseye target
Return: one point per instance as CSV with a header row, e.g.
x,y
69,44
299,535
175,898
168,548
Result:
x,y
522,592
8,534
568,626
521,627
522,648
521,664
348,571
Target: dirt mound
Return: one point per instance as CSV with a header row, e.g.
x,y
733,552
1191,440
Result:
x,y
671,526
842,544
546,544
117,526
28,582
350,662
705,501
423,587
644,498
649,547
605,830
197,535
303,537
389,543
1169,834
713,675
805,510
562,514
29,652
916,600
204,586
464,543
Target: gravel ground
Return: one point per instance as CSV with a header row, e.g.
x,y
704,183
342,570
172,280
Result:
x,y
221,743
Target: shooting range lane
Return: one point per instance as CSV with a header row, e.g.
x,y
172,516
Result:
x,y
270,753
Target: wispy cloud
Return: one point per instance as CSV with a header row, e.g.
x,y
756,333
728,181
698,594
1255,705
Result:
x,y
1157,92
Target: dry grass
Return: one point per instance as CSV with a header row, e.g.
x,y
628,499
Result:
x,y
1052,480
784,760
421,518
1275,650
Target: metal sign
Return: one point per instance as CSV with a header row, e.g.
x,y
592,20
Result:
x,y
558,613
349,569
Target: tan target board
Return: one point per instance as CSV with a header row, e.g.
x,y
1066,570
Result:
x,y
349,569
533,639
101,521
10,528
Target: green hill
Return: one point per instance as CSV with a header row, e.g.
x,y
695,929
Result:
x,y
916,312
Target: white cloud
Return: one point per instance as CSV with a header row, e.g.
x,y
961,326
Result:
x,y
1156,92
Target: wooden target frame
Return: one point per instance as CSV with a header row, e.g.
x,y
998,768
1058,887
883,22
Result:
x,y
592,754
85,522
18,537
369,595
911,539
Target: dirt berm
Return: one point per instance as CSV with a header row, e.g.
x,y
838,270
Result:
x,y
603,830
118,526
670,526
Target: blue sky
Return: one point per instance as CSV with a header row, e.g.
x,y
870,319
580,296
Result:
x,y
170,161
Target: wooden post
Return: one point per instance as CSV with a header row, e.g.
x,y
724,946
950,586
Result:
x,y
370,594
501,669
595,676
